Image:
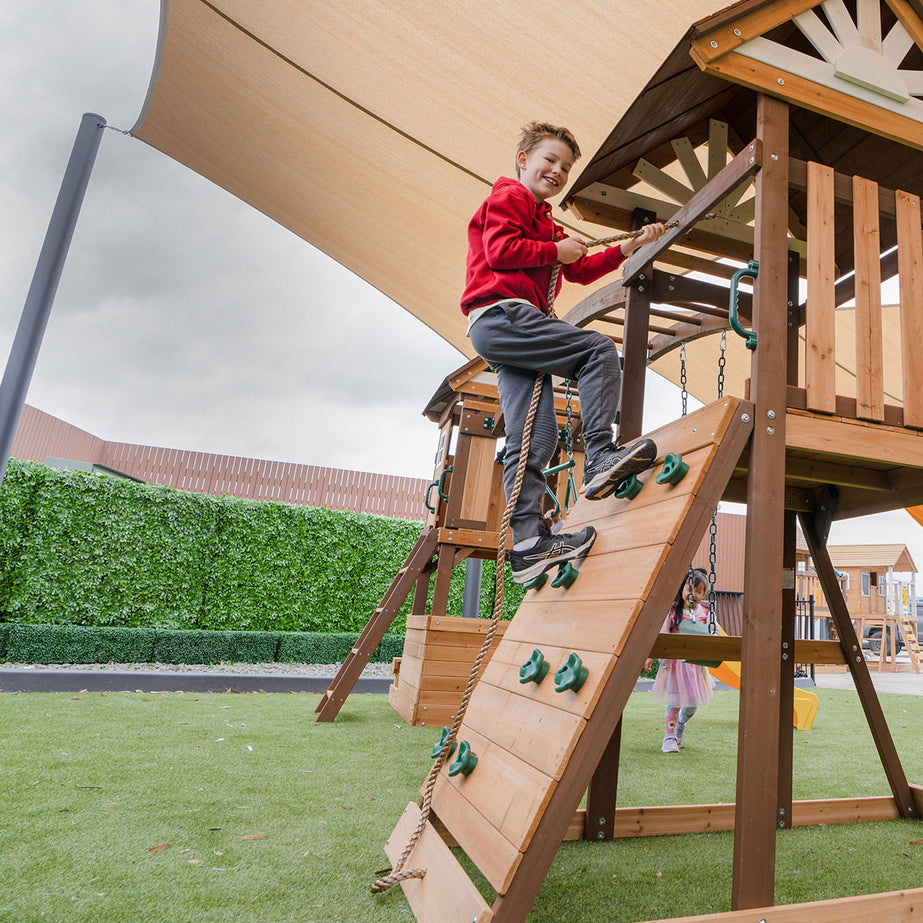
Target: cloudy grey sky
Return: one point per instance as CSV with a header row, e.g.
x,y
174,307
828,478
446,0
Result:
x,y
182,315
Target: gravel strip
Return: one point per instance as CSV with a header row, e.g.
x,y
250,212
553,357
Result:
x,y
382,670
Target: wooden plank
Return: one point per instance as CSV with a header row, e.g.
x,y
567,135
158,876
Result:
x,y
870,395
714,36
497,859
503,673
910,272
401,703
539,733
505,790
809,94
853,441
445,894
599,624
893,906
843,811
820,329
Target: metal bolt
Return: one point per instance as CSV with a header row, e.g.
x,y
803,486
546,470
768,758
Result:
x,y
770,430
771,414
745,418
781,82
714,44
737,32
640,288
600,835
774,156
602,820
785,645
785,656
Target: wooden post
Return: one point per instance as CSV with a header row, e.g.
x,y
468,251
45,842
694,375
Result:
x,y
756,812
634,347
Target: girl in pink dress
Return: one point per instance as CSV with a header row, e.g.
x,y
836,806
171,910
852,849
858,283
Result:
x,y
683,686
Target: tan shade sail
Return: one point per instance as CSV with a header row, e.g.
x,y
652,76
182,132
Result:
x,y
373,131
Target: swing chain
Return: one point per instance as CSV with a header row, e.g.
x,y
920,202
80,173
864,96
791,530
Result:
x,y
721,362
682,377
569,426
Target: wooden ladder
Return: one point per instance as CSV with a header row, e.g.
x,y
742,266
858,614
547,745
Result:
x,y
342,684
911,641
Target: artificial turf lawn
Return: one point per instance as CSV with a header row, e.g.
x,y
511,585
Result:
x,y
181,807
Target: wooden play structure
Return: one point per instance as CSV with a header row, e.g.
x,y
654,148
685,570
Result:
x,y
464,505
798,125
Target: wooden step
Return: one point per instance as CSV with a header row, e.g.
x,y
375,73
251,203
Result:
x,y
445,894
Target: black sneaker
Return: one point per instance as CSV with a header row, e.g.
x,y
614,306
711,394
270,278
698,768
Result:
x,y
550,550
603,473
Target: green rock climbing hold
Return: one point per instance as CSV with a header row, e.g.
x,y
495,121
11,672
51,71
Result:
x,y
571,675
534,669
438,748
629,488
465,762
674,469
566,575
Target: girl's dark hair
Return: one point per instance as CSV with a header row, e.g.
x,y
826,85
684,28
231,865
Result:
x,y
695,575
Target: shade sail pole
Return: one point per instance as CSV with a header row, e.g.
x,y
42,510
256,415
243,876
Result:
x,y
35,312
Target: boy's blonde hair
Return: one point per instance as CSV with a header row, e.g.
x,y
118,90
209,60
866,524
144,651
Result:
x,y
535,132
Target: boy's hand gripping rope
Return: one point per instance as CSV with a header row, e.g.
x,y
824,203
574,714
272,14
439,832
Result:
x,y
399,873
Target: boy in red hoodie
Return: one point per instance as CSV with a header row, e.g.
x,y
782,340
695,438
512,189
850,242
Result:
x,y
513,245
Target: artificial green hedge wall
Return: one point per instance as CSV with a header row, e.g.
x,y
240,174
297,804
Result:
x,y
77,644
82,549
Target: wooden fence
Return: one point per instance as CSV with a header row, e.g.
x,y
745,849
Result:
x,y
41,436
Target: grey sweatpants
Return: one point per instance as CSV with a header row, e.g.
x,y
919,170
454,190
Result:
x,y
518,342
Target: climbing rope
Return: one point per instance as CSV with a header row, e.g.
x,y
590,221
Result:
x,y
398,873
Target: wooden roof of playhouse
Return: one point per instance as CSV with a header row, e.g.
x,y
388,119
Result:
x,y
852,71
873,557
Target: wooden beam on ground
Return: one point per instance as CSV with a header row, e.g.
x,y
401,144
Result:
x,y
745,164
758,748
892,906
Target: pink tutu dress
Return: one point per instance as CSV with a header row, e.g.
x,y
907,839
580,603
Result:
x,y
680,684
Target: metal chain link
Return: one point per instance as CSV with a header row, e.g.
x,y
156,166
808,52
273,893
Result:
x,y
722,362
682,377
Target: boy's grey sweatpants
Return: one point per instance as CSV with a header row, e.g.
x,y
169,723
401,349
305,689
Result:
x,y
518,342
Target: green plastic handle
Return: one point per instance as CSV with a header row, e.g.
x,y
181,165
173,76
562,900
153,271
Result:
x,y
752,271
426,502
442,478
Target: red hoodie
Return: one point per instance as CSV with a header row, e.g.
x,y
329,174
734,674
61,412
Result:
x,y
511,251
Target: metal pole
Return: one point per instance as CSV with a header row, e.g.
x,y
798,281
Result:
x,y
471,599
32,323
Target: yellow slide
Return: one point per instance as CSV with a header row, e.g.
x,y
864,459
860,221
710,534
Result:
x,y
806,702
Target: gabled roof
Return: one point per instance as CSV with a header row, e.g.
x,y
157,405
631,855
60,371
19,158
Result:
x,y
872,557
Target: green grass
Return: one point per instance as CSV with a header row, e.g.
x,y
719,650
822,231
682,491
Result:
x,y
90,783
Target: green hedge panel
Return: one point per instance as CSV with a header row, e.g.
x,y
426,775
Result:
x,y
85,550
25,643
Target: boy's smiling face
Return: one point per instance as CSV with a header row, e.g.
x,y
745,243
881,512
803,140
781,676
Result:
x,y
544,169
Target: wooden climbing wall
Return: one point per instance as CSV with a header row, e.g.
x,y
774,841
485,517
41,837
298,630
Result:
x,y
537,748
